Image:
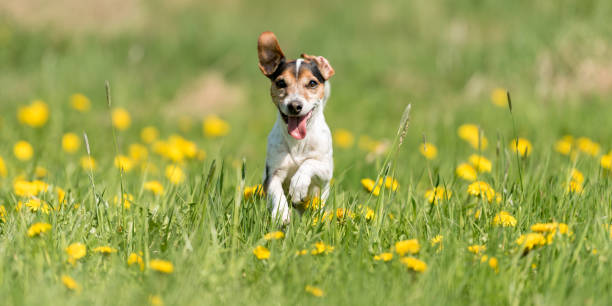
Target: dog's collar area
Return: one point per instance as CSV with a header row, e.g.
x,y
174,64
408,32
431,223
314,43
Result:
x,y
283,65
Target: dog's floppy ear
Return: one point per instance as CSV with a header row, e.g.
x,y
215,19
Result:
x,y
269,53
322,64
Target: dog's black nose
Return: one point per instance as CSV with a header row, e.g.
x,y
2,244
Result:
x,y
295,107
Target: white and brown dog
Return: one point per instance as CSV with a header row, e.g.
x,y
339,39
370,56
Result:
x,y
299,159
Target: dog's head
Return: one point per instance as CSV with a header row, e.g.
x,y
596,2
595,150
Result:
x,y
298,87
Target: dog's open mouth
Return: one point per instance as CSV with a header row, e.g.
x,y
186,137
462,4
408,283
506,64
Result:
x,y
296,125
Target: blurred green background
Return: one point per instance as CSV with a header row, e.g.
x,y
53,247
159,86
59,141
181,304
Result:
x,y
172,60
172,63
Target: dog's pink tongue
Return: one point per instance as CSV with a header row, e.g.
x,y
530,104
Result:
x,y
296,126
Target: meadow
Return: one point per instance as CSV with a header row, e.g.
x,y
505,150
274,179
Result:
x,y
132,143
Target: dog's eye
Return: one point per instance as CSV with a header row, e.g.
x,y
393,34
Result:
x,y
281,83
313,84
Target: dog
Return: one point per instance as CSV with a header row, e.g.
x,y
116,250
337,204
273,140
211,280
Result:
x,y
299,160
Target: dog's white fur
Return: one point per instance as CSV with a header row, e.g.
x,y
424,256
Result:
x,y
302,168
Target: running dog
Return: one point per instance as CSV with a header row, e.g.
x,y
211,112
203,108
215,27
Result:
x,y
299,161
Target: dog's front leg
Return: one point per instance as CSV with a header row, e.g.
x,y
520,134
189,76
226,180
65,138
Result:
x,y
301,180
277,202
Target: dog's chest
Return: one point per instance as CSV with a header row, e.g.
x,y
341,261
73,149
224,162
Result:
x,y
287,154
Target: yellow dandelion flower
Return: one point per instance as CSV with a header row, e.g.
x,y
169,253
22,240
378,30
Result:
x,y
522,145
499,97
314,290
367,212
104,250
494,264
24,188
387,256
553,227
428,150
175,174
531,240
437,194
253,191
565,145
214,126
544,227
70,142
138,152
410,246
156,300
274,235
187,148
321,248
371,186
504,219
437,240
124,163
342,213
136,259
480,163
35,115
391,183
374,188
564,229
414,264
481,189
149,134
467,131
301,252
588,146
155,187
76,251
23,150
35,205
325,217
576,176
466,172
605,162
70,283
2,213
88,163
261,252
477,249
40,186
313,203
61,195
80,102
121,118
471,134
128,199
574,187
40,172
38,228
162,266
343,138
3,171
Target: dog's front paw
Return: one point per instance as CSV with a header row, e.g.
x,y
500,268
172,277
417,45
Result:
x,y
298,189
282,214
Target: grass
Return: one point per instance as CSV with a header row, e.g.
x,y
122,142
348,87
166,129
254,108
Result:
x,y
443,57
